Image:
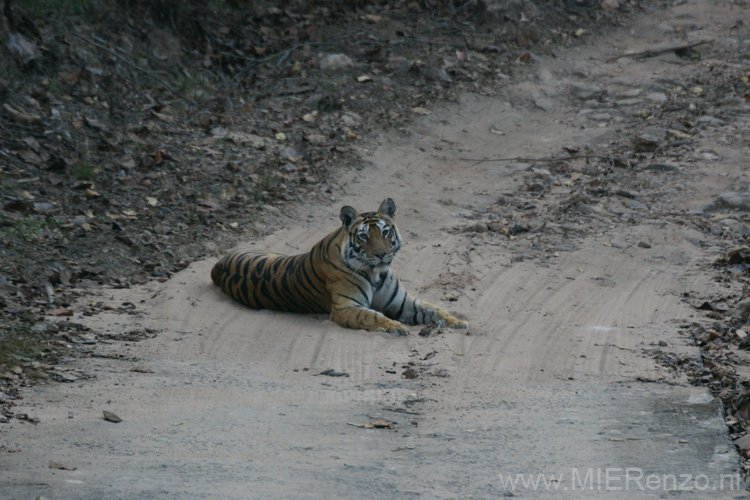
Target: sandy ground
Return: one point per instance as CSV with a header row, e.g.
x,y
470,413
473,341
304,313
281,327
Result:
x,y
551,377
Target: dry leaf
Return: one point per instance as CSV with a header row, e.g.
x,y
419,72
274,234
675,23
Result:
x,y
164,117
377,424
420,110
60,312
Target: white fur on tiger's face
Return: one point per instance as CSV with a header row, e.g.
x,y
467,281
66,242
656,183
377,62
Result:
x,y
373,241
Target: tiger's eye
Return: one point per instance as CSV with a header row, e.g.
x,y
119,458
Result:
x,y
386,232
362,236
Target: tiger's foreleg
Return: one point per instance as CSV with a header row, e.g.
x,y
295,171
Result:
x,y
408,309
349,314
432,314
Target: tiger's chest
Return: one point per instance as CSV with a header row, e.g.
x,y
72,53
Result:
x,y
382,286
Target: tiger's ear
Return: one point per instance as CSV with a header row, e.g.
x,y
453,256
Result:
x,y
388,208
347,215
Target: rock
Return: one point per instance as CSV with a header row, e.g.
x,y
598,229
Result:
x,y
736,201
729,222
509,10
45,327
399,64
586,91
631,93
543,103
335,62
644,244
609,5
635,205
252,140
623,103
622,245
21,47
657,97
710,121
350,119
316,139
662,167
518,229
111,417
649,138
743,443
477,227
45,208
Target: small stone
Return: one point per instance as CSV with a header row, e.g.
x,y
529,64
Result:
x,y
334,62
111,417
622,245
543,103
662,167
631,93
737,201
657,97
609,5
45,327
635,205
624,103
644,244
649,139
316,139
743,443
663,343
586,91
477,227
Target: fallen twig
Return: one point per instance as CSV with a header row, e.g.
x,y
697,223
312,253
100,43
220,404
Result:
x,y
135,66
655,52
525,159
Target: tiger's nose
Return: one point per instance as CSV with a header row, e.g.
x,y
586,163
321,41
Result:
x,y
380,255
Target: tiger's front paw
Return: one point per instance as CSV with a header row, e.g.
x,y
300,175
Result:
x,y
452,322
395,328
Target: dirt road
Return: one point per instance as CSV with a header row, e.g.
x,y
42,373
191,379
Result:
x,y
566,293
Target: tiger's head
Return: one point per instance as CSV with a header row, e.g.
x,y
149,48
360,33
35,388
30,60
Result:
x,y
373,239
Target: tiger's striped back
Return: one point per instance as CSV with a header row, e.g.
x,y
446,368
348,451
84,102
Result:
x,y
264,280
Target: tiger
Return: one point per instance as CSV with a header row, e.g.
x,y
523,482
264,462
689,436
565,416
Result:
x,y
347,274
